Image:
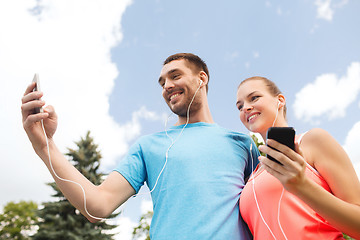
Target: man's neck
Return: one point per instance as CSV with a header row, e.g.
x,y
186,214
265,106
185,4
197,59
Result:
x,y
202,115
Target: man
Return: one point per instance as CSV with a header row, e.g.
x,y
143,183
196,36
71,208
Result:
x,y
196,169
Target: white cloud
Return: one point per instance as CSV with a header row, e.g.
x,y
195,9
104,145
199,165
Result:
x,y
68,43
341,3
329,96
124,229
351,146
146,206
326,9
231,56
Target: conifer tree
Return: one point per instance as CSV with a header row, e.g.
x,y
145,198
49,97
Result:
x,y
59,219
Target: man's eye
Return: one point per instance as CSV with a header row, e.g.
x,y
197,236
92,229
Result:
x,y
176,76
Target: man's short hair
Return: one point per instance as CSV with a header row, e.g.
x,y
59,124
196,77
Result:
x,y
194,61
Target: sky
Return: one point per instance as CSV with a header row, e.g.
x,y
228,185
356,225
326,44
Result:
x,y
99,63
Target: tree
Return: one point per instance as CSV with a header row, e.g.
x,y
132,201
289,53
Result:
x,y
142,231
17,220
257,142
59,219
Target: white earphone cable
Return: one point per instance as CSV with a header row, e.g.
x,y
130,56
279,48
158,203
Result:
x,y
172,142
256,201
166,157
63,179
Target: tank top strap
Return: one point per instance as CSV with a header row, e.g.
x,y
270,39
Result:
x,y
298,141
299,138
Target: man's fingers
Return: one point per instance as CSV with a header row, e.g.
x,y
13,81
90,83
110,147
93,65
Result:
x,y
33,118
31,96
30,88
30,106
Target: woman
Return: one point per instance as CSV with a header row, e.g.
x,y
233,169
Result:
x,y
313,194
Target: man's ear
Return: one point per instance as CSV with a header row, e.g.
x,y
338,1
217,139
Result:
x,y
203,77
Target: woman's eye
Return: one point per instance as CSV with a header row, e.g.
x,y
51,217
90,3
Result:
x,y
240,107
253,98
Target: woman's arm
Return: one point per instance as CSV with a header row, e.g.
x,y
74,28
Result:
x,y
342,208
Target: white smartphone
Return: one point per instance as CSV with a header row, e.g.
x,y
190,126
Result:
x,y
37,88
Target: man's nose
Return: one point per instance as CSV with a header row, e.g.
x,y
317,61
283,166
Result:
x,y
168,84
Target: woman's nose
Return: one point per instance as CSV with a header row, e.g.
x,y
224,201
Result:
x,y
247,108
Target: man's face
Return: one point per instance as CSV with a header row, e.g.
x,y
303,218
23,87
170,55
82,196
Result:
x,y
179,84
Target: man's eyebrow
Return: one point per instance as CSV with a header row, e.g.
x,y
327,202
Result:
x,y
168,73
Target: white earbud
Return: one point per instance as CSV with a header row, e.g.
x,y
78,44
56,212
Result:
x,y
201,82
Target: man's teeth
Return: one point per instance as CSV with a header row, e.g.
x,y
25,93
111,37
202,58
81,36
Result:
x,y
251,117
175,95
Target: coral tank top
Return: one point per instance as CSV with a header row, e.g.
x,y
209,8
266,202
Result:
x,y
268,217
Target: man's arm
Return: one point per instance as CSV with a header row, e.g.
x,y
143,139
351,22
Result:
x,y
101,200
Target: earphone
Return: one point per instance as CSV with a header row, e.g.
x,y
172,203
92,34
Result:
x,y
172,141
166,156
282,192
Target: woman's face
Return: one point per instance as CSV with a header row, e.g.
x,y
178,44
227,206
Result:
x,y
258,108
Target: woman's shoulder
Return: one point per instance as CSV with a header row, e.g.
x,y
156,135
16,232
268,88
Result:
x,y
315,143
317,136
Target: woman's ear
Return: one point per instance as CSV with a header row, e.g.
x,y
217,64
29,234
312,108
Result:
x,y
282,100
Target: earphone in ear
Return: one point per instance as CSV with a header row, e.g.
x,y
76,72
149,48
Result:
x,y
201,82
278,104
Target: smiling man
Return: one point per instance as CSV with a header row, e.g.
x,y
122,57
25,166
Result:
x,y
195,170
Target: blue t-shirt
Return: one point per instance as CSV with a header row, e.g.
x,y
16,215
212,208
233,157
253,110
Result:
x,y
198,192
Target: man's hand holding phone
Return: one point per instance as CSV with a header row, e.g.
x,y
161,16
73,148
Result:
x,y
33,113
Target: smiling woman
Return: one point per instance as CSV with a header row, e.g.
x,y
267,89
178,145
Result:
x,y
316,174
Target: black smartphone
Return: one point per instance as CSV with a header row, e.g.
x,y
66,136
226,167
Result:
x,y
37,88
283,135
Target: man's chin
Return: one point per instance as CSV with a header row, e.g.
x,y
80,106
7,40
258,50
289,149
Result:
x,y
180,111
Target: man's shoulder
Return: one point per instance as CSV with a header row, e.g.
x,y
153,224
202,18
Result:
x,y
234,133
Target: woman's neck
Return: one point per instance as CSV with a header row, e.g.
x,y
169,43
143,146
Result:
x,y
279,123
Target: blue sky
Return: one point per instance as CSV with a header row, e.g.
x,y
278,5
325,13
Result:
x,y
286,42
99,63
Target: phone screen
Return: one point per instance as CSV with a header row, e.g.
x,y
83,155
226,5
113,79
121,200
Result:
x,y
283,135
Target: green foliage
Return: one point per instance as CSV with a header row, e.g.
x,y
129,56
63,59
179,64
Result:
x,y
143,229
347,237
17,219
257,142
59,220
